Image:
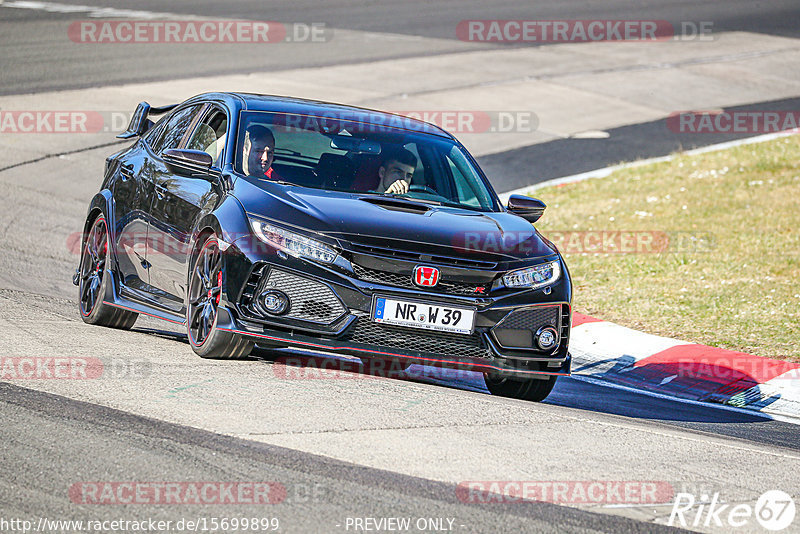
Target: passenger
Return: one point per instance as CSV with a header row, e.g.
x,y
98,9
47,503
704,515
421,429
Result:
x,y
396,171
259,151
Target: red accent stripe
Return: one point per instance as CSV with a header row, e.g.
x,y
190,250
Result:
x,y
699,362
370,351
143,313
579,319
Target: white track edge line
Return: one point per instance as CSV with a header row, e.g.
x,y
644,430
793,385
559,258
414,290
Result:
x,y
606,171
766,415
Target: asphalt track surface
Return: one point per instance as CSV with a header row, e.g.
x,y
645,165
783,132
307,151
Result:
x,y
35,58
53,439
519,167
320,493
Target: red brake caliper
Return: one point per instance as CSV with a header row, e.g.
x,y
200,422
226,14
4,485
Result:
x,y
219,285
105,253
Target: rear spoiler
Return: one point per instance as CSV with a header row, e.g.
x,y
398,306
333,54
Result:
x,y
140,122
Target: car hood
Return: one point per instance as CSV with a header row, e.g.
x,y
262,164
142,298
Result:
x,y
377,221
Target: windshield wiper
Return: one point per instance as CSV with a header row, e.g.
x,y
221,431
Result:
x,y
265,179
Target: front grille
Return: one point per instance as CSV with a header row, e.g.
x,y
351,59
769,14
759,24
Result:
x,y
316,309
311,300
531,318
405,339
396,252
404,281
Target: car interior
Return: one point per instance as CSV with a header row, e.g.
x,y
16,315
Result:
x,y
343,172
210,135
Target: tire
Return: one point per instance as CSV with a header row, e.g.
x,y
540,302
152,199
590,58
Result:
x,y
535,390
94,275
202,306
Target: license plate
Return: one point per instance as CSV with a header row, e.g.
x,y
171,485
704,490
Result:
x,y
423,315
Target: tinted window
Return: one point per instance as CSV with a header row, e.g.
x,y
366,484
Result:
x,y
344,155
209,136
174,128
153,134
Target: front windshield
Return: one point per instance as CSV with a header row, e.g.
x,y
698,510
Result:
x,y
344,155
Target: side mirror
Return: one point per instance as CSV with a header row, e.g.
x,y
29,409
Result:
x,y
192,163
530,209
139,122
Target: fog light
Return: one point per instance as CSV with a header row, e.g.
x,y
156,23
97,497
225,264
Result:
x,y
546,337
275,302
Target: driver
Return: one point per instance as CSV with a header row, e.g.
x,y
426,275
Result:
x,y
259,151
396,171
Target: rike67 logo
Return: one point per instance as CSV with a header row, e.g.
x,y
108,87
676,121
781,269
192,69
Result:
x,y
774,510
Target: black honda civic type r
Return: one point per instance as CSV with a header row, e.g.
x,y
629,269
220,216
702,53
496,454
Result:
x,y
282,222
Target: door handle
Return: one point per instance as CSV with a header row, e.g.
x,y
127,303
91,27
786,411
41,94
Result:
x,y
159,193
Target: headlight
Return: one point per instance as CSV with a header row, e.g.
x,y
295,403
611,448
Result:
x,y
534,277
293,244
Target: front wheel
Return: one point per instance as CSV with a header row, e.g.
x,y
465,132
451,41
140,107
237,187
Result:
x,y
535,390
205,290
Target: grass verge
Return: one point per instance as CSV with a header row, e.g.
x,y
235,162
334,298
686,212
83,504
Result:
x,y
703,248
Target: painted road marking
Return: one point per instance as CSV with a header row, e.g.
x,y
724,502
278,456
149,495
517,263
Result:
x,y
94,11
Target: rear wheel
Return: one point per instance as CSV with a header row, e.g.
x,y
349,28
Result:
x,y
93,277
535,390
205,290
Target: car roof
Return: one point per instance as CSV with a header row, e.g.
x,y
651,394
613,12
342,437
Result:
x,y
302,106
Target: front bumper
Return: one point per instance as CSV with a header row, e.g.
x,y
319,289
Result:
x,y
333,315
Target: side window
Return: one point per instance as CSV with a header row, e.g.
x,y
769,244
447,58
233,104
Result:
x,y
154,133
210,134
465,194
173,130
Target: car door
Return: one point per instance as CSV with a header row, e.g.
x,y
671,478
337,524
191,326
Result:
x,y
130,221
178,202
136,243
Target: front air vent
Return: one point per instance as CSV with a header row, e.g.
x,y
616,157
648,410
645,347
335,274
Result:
x,y
310,300
397,204
517,330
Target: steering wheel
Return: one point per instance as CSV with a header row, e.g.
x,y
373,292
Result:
x,y
422,189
